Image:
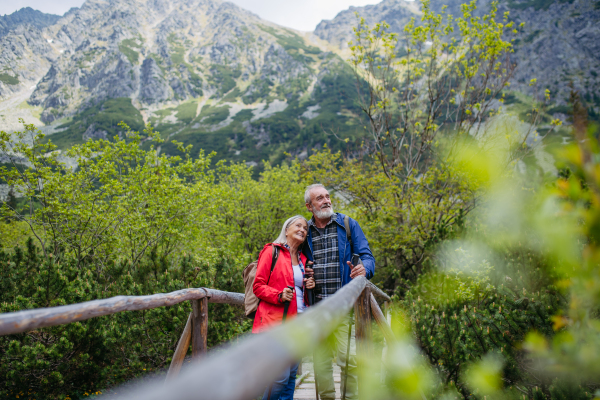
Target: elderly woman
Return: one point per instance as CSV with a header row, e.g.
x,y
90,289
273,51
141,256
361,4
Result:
x,y
272,287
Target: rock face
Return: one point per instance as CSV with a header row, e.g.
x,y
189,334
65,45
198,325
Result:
x,y
153,87
26,16
560,43
155,51
211,73
338,31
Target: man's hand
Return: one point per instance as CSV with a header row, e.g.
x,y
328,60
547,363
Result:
x,y
309,273
309,283
356,270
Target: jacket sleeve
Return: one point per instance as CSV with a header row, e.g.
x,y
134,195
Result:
x,y
361,246
263,271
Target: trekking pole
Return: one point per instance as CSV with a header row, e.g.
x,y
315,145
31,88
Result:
x,y
286,305
348,352
315,374
310,297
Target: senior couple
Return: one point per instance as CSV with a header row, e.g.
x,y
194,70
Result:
x,y
323,241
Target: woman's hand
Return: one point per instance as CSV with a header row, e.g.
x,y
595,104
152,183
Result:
x,y
309,283
286,295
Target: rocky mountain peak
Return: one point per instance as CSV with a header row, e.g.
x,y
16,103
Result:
x,y
338,31
26,16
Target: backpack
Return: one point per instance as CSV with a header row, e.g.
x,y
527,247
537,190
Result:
x,y
250,300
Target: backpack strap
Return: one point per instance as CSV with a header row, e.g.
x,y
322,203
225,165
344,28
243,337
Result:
x,y
273,260
348,233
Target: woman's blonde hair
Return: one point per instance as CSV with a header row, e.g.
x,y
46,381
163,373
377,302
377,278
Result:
x,y
281,239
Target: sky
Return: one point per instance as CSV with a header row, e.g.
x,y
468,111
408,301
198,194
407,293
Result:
x,y
303,15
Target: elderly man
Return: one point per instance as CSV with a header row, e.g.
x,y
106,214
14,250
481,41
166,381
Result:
x,y
332,255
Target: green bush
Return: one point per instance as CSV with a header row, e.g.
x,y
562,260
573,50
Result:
x,y
101,352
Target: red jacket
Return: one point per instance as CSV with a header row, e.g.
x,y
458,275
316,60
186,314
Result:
x,y
270,310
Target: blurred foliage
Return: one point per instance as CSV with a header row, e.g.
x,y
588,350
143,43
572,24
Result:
x,y
510,306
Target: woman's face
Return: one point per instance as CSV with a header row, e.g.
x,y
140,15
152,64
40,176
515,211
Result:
x,y
296,232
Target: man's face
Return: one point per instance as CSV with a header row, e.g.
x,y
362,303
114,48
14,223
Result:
x,y
320,204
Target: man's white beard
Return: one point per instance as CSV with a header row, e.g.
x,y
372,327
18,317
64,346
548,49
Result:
x,y
322,214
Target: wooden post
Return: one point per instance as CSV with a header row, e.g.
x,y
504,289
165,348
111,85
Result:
x,y
362,312
181,350
386,310
378,316
199,327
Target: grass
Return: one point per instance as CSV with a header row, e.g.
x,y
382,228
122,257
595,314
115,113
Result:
x,y
213,115
36,111
232,96
9,79
186,112
105,116
262,91
127,48
224,77
177,53
291,41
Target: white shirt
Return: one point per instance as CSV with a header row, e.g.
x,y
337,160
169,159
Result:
x,y
299,283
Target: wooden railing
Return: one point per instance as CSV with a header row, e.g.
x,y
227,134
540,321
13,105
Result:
x,y
246,368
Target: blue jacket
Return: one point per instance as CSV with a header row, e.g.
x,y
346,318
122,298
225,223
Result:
x,y
359,242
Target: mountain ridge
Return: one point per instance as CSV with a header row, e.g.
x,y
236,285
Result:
x,y
560,42
211,74
204,71
26,16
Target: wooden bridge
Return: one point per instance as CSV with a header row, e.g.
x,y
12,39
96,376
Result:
x,y
245,369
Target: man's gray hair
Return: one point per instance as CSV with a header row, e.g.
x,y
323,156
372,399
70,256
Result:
x,y
308,190
281,239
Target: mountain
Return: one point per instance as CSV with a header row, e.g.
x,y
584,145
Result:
x,y
208,73
204,72
26,16
560,43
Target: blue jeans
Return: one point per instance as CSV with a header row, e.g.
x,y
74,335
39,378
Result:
x,y
284,386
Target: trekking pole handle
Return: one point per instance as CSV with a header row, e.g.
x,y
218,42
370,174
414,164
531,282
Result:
x,y
286,305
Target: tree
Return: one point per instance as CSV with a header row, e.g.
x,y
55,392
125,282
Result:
x,y
118,199
429,92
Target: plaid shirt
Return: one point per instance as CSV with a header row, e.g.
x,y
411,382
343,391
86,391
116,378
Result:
x,y
326,258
